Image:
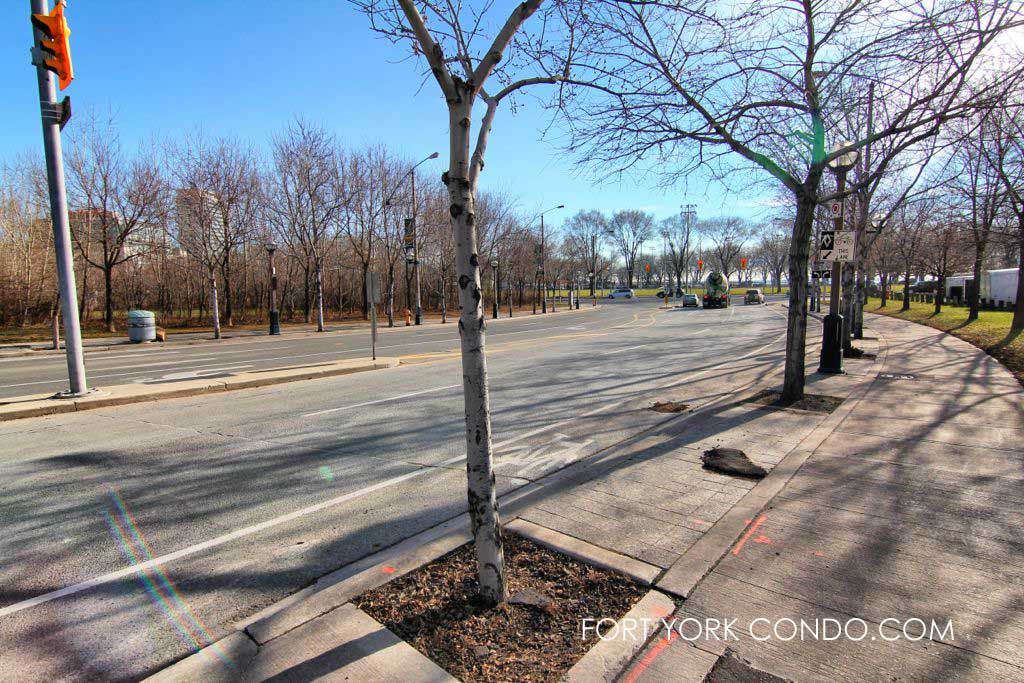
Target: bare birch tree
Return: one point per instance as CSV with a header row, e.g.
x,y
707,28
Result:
x,y
463,61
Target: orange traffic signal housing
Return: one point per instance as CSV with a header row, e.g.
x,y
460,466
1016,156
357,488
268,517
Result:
x,y
743,263
56,45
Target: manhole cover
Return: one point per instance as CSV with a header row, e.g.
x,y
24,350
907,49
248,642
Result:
x,y
894,376
669,407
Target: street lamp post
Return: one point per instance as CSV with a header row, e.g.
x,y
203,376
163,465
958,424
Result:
x,y
689,213
543,254
832,334
415,241
275,316
877,222
494,287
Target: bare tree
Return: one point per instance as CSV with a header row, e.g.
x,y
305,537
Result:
x,y
1006,157
941,252
120,202
685,84
462,68
629,229
216,207
981,192
773,249
726,237
585,232
908,230
306,196
678,231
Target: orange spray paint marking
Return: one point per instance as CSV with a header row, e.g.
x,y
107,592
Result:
x,y
660,612
746,536
817,554
763,539
701,521
388,570
651,655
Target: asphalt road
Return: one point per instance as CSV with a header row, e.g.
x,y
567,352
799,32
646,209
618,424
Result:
x,y
47,372
230,502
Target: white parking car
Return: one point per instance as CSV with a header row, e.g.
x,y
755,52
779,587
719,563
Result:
x,y
621,293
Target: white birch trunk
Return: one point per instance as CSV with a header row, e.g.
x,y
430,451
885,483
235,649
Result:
x,y
483,503
319,297
216,307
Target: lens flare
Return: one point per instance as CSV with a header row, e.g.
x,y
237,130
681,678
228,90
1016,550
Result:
x,y
158,585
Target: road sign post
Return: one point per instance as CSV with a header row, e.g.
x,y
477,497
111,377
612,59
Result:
x,y
832,332
372,299
50,52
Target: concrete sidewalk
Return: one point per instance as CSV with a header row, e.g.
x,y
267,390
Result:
x,y
910,509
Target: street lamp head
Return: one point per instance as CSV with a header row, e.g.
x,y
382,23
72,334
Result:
x,y
434,155
271,247
846,160
494,263
560,206
877,221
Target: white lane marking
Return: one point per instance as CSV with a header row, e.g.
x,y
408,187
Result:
x,y
60,358
177,361
380,400
212,543
190,374
302,512
91,377
627,348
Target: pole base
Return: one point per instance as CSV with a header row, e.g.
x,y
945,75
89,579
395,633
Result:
x,y
275,322
832,345
79,394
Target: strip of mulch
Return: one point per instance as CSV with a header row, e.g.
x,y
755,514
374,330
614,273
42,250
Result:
x,y
814,403
438,611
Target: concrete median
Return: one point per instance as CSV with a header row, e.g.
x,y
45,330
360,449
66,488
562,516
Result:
x,y
45,404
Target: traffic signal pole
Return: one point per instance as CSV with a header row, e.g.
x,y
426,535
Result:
x,y
52,115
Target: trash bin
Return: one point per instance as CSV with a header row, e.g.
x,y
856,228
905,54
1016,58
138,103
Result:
x,y
141,326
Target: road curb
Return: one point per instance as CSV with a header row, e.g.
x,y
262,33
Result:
x,y
123,394
587,552
605,660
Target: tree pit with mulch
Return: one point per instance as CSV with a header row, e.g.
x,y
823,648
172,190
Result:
x,y
813,403
536,636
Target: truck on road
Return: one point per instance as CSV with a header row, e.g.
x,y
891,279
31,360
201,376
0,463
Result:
x,y
716,291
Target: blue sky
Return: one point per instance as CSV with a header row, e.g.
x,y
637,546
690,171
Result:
x,y
247,68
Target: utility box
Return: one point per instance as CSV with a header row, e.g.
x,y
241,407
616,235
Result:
x,y
141,326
